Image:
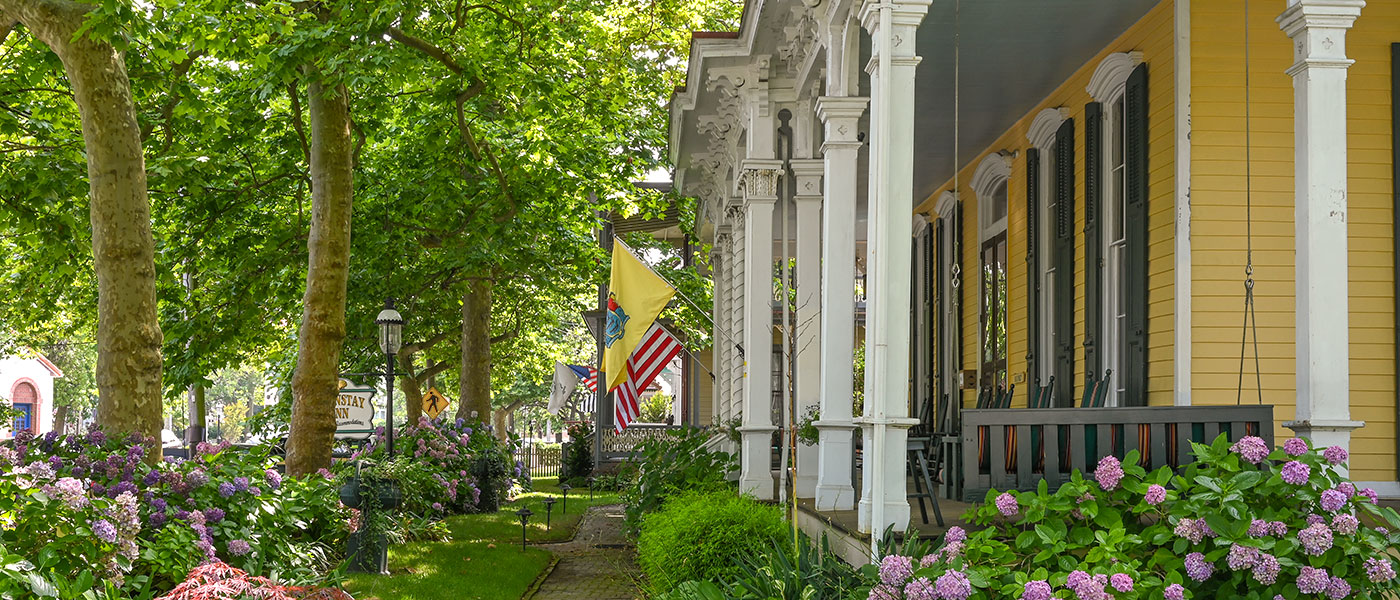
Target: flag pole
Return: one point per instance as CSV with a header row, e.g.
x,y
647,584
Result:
x,y
737,345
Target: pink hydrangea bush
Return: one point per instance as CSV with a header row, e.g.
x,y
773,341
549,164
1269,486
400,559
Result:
x,y
1243,521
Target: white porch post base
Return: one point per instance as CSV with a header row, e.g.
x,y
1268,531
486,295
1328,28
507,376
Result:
x,y
834,489
756,462
1322,434
896,484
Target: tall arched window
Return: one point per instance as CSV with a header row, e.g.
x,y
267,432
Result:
x,y
1108,87
1044,189
25,399
989,182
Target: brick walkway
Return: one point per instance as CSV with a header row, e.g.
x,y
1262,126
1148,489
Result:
x,y
598,564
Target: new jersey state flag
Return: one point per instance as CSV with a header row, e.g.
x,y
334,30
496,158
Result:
x,y
635,298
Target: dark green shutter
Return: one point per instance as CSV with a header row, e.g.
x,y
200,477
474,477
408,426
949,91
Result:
x,y
959,277
930,317
1135,231
1064,264
1032,265
940,308
1093,239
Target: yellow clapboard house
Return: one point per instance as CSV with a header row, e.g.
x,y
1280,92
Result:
x,y
1037,189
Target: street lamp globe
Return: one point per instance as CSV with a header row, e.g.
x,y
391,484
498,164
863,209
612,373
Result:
x,y
390,324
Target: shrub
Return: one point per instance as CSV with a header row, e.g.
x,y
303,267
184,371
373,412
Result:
x,y
797,570
675,463
216,581
442,477
578,453
86,506
702,536
1241,522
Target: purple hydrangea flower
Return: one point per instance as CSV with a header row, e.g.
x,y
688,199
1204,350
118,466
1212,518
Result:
x,y
1295,447
1191,529
1093,589
70,490
1316,539
1252,449
1197,568
1379,570
122,487
1006,503
240,484
1279,528
1174,592
1338,588
274,479
152,477
197,478
1258,528
437,506
1332,500
1076,578
1296,473
1109,473
1345,523
238,547
104,530
1122,582
1335,455
1155,494
157,519
96,437
953,585
1315,519
896,569
955,534
1036,590
213,515
920,589
1241,557
1371,495
226,489
1312,580
1347,489
884,592
1266,569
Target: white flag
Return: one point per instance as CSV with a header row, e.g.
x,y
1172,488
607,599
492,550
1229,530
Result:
x,y
564,382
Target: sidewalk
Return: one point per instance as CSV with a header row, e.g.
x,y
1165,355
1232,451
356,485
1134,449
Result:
x,y
598,564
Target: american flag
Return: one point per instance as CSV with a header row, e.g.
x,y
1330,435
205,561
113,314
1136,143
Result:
x,y
588,376
655,351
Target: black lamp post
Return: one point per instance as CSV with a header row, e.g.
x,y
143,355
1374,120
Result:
x,y
548,510
390,324
524,514
566,487
590,489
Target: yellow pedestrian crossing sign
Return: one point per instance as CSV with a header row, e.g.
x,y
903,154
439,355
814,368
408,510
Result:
x,y
434,403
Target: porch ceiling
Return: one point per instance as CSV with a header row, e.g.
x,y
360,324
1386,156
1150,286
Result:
x,y
1014,53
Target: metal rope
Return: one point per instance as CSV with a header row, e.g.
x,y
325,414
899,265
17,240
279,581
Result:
x,y
1251,323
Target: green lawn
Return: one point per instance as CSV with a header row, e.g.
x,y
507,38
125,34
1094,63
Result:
x,y
468,567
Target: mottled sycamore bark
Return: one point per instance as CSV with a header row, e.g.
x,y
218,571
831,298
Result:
x,y
475,386
128,332
323,313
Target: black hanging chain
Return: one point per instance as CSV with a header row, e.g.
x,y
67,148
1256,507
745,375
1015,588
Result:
x,y
1251,323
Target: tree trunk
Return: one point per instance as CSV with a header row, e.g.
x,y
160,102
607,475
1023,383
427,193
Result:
x,y
60,419
323,313
475,388
499,418
412,388
128,329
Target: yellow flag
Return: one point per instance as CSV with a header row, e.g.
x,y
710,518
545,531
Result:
x,y
635,298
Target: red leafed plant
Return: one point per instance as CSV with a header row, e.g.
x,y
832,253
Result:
x,y
218,581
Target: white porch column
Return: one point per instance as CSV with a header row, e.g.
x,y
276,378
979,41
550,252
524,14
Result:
x,y
809,277
893,25
841,117
1318,30
737,302
756,460
723,338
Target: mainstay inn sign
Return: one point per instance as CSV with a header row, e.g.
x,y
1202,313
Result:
x,y
354,411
